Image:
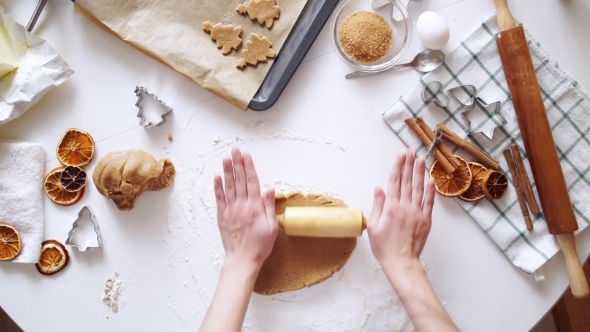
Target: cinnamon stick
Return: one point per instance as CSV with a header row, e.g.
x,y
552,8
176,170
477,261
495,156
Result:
x,y
524,180
517,186
440,145
412,124
483,157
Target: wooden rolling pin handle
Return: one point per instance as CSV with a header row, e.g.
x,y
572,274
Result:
x,y
505,19
575,273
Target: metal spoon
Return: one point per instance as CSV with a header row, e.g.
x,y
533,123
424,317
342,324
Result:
x,y
425,61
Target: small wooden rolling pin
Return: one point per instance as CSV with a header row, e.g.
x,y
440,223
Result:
x,y
322,221
538,141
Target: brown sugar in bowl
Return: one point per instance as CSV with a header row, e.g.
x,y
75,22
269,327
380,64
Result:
x,y
367,39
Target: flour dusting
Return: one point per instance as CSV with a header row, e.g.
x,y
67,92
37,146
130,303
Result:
x,y
221,144
112,293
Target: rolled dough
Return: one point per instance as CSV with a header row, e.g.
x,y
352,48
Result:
x,y
298,262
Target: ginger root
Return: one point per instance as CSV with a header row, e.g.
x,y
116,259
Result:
x,y
124,175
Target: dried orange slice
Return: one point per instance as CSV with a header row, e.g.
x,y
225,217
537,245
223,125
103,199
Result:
x,y
73,178
451,185
475,191
54,257
76,148
56,192
494,184
10,243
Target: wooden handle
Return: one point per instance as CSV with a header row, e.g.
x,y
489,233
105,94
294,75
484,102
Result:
x,y
575,273
322,221
504,16
536,131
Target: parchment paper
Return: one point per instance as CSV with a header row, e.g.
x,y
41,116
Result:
x,y
172,32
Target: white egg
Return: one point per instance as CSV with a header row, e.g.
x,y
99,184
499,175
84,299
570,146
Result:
x,y
432,30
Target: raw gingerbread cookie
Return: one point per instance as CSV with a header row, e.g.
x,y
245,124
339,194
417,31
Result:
x,y
124,175
265,11
226,36
298,262
257,49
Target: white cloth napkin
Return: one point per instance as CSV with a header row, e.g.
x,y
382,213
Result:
x,y
22,167
476,62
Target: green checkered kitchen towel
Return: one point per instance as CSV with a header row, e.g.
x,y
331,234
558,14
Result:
x,y
476,62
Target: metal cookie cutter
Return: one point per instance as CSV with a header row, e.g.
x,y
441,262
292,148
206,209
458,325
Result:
x,y
141,92
484,119
92,217
464,94
432,92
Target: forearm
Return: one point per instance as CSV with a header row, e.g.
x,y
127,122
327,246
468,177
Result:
x,y
230,302
416,294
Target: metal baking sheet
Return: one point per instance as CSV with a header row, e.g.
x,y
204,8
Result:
x,y
306,29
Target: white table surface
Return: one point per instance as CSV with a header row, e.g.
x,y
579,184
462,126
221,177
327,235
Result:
x,y
323,129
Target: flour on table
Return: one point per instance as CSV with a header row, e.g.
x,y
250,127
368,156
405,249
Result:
x,y
342,147
222,144
112,293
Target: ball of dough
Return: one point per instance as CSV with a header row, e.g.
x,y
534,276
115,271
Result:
x,y
124,175
297,262
432,30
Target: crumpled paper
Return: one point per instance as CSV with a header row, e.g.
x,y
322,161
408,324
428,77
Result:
x,y
40,70
172,33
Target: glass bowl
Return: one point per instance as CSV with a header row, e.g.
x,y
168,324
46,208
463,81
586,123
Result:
x,y
394,13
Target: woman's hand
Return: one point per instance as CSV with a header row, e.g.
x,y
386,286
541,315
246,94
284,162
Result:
x,y
246,219
398,228
400,222
248,228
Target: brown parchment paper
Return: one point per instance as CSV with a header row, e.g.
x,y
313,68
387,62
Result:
x,y
171,31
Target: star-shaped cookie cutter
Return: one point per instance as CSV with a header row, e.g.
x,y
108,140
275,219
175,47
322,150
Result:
x,y
75,225
485,121
141,92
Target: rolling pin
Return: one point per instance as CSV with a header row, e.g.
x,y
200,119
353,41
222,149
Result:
x,y
315,221
538,141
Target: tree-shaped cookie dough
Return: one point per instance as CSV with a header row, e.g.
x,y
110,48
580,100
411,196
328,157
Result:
x,y
257,49
226,36
265,11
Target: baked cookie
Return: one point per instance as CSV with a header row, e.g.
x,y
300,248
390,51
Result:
x,y
257,49
226,36
265,11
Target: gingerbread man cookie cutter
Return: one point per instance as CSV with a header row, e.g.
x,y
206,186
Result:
x,y
484,118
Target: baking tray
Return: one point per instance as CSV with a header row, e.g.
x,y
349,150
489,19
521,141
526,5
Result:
x,y
306,29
